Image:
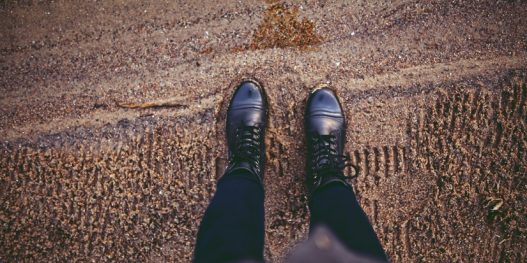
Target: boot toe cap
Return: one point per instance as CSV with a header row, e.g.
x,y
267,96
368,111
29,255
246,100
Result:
x,y
324,101
248,94
324,113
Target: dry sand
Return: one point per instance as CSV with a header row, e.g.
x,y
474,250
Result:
x,y
112,122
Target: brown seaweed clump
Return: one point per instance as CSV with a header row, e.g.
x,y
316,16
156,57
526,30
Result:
x,y
281,28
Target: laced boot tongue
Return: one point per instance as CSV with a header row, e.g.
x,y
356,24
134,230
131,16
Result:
x,y
330,171
325,154
328,165
246,155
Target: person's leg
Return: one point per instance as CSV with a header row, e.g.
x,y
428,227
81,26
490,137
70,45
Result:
x,y
336,207
232,228
332,201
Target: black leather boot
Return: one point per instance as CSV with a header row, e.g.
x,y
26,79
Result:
x,y
325,128
246,123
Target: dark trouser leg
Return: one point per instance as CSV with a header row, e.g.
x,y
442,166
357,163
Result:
x,y
336,207
233,226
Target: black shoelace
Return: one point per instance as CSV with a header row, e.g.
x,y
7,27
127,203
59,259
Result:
x,y
247,146
326,160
